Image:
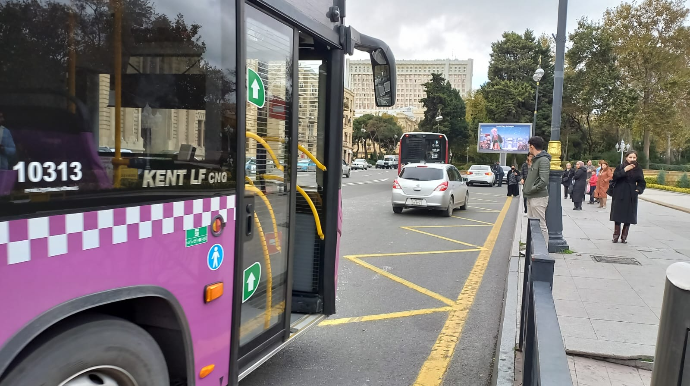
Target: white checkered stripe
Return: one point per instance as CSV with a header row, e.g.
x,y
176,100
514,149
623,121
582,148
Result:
x,y
27,239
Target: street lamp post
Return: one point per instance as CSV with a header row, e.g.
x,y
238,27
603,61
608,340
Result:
x,y
554,211
537,77
622,148
439,118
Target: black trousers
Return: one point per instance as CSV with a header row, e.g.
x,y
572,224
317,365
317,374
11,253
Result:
x,y
565,190
513,190
591,193
578,204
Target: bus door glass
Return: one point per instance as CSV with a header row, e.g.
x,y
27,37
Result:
x,y
269,58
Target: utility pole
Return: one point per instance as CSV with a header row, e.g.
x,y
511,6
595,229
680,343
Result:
x,y
554,211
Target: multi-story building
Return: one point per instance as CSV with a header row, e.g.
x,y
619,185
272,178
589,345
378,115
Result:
x,y
411,75
348,118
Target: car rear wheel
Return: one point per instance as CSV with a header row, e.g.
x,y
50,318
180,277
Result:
x,y
397,209
467,199
99,350
449,211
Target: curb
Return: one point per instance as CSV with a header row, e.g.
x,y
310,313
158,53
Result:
x,y
504,357
680,208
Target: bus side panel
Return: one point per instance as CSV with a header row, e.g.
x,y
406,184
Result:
x,y
47,261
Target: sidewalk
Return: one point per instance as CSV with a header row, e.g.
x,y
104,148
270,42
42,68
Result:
x,y
673,200
611,309
605,310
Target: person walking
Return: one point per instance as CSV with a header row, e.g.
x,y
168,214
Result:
x,y
580,185
592,187
513,182
567,178
536,188
629,183
525,171
605,176
498,171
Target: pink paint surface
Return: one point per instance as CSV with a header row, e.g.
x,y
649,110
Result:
x,y
33,286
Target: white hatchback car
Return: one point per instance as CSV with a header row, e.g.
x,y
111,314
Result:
x,y
360,163
480,174
431,186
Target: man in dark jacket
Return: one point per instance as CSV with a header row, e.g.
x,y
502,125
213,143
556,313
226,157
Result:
x,y
581,183
567,178
525,171
537,183
498,171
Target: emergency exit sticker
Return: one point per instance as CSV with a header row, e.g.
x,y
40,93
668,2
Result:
x,y
196,236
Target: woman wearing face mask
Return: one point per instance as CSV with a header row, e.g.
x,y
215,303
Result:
x,y
513,181
629,183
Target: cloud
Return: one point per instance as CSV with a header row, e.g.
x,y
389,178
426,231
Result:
x,y
461,29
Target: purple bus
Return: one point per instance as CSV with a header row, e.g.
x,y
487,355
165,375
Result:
x,y
136,247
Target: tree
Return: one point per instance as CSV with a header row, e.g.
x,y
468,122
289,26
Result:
x,y
442,99
382,130
510,91
651,42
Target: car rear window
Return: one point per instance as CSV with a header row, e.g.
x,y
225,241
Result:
x,y
422,174
479,168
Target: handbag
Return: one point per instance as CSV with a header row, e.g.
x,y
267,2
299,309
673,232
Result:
x,y
571,187
609,191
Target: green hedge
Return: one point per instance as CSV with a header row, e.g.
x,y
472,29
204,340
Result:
x,y
671,168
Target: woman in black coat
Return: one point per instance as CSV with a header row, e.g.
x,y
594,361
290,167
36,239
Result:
x,y
513,181
567,178
629,183
581,182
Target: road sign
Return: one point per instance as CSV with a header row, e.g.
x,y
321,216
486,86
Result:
x,y
195,236
214,258
256,93
251,278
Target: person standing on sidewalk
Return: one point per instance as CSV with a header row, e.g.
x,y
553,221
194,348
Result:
x,y
592,187
629,183
513,182
525,171
605,176
580,185
536,188
498,171
567,178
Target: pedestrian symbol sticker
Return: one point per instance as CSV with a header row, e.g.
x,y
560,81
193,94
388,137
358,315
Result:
x,y
215,257
256,93
251,278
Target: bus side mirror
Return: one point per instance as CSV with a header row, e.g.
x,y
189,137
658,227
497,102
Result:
x,y
384,88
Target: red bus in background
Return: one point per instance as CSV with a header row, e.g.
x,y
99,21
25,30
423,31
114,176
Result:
x,y
421,147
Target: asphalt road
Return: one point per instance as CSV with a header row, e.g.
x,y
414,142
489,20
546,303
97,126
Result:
x,y
408,311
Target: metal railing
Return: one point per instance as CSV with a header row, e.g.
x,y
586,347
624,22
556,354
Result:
x,y
543,354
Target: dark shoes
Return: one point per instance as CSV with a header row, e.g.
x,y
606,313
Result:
x,y
616,232
624,234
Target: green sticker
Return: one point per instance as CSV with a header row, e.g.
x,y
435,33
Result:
x,y
251,278
256,92
196,236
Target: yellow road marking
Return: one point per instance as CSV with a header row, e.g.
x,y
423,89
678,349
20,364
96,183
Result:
x,y
435,367
402,281
450,226
412,253
471,219
392,315
441,237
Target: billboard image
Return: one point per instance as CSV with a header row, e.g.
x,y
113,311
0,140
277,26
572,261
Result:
x,y
504,137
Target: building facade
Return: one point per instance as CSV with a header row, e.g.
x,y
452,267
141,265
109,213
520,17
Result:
x,y
348,118
411,75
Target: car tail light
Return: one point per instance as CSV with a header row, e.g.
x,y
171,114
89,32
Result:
x,y
443,187
488,174
396,185
469,172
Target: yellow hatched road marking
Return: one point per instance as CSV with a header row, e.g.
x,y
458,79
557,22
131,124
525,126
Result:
x,y
441,237
433,370
402,281
412,253
450,226
484,200
392,315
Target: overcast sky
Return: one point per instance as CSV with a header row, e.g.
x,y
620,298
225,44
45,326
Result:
x,y
461,29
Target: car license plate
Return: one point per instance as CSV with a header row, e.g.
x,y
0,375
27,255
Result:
x,y
416,202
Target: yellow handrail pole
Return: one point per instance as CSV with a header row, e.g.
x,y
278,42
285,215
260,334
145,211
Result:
x,y
269,274
267,147
261,194
317,220
117,70
311,156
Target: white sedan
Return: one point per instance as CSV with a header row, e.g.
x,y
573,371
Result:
x,y
480,174
430,186
359,164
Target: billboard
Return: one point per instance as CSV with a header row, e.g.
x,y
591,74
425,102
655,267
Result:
x,y
503,137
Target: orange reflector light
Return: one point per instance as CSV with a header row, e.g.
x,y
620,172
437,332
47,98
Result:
x,y
213,292
206,371
217,225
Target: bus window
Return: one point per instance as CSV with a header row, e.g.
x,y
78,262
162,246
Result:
x,y
86,116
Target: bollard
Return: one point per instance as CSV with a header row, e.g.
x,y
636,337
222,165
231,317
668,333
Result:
x,y
672,357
